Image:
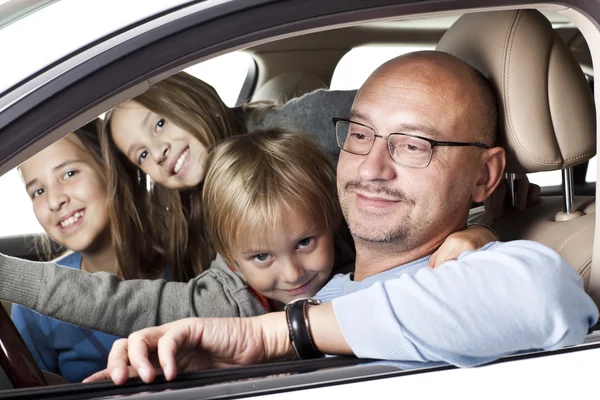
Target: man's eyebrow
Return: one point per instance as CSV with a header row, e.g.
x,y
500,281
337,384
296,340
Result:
x,y
402,128
357,115
418,128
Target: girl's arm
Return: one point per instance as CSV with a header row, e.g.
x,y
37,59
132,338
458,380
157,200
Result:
x,y
103,302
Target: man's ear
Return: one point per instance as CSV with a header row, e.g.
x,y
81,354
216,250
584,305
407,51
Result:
x,y
494,161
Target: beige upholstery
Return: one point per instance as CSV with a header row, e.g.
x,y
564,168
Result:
x,y
288,85
573,239
547,117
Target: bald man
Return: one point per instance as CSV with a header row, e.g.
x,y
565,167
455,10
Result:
x,y
418,149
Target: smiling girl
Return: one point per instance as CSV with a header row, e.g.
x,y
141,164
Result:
x,y
67,188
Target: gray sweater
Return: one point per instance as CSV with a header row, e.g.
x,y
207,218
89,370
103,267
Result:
x,y
103,302
311,114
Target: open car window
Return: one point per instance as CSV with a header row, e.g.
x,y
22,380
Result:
x,y
226,73
356,65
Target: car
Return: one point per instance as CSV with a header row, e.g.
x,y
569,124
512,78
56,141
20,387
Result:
x,y
55,81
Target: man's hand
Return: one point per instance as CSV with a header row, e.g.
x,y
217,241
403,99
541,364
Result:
x,y
471,238
195,344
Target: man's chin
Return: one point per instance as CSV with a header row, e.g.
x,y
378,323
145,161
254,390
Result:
x,y
375,234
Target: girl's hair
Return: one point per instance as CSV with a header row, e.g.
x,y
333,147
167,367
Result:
x,y
133,238
253,180
175,218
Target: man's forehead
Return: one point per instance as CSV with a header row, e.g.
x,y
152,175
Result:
x,y
395,103
400,97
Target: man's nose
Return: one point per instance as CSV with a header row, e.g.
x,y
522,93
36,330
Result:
x,y
292,271
57,199
378,164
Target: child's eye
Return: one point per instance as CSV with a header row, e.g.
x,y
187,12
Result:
x,y
305,242
70,174
37,193
142,156
262,257
160,124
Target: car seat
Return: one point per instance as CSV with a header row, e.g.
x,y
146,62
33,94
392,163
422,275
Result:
x,y
288,85
546,121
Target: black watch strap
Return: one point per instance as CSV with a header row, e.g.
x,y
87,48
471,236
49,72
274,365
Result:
x,y
296,314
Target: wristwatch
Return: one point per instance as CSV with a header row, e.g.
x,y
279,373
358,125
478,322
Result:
x,y
296,314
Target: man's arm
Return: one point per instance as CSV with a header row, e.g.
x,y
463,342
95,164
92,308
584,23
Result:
x,y
514,296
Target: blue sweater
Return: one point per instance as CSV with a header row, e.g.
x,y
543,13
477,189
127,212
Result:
x,y
495,301
59,347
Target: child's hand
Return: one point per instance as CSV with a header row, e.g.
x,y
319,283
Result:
x,y
471,238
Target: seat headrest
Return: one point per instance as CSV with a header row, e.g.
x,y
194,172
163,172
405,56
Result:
x,y
547,118
288,85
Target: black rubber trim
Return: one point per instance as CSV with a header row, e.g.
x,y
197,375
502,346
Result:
x,y
249,84
197,379
250,374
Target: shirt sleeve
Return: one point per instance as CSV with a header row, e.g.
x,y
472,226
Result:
x,y
28,325
105,303
511,297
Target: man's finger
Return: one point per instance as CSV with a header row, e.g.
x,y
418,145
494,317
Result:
x,y
118,362
140,345
168,346
103,375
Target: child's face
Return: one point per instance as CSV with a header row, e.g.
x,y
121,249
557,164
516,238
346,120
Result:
x,y
68,195
171,156
293,260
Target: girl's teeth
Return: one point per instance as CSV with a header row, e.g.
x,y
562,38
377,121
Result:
x,y
180,161
71,220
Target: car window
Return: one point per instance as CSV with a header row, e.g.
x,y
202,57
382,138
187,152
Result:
x,y
546,178
16,212
590,176
226,73
356,65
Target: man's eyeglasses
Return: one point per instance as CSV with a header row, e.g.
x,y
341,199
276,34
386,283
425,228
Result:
x,y
405,149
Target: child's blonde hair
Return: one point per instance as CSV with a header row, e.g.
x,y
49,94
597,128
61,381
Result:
x,y
253,180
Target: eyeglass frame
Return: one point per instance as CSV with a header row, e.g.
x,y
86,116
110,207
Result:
x,y
432,142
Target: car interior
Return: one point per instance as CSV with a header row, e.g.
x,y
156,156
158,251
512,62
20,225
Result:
x,y
541,68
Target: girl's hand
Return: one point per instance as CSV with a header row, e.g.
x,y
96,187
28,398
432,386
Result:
x,y
471,238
